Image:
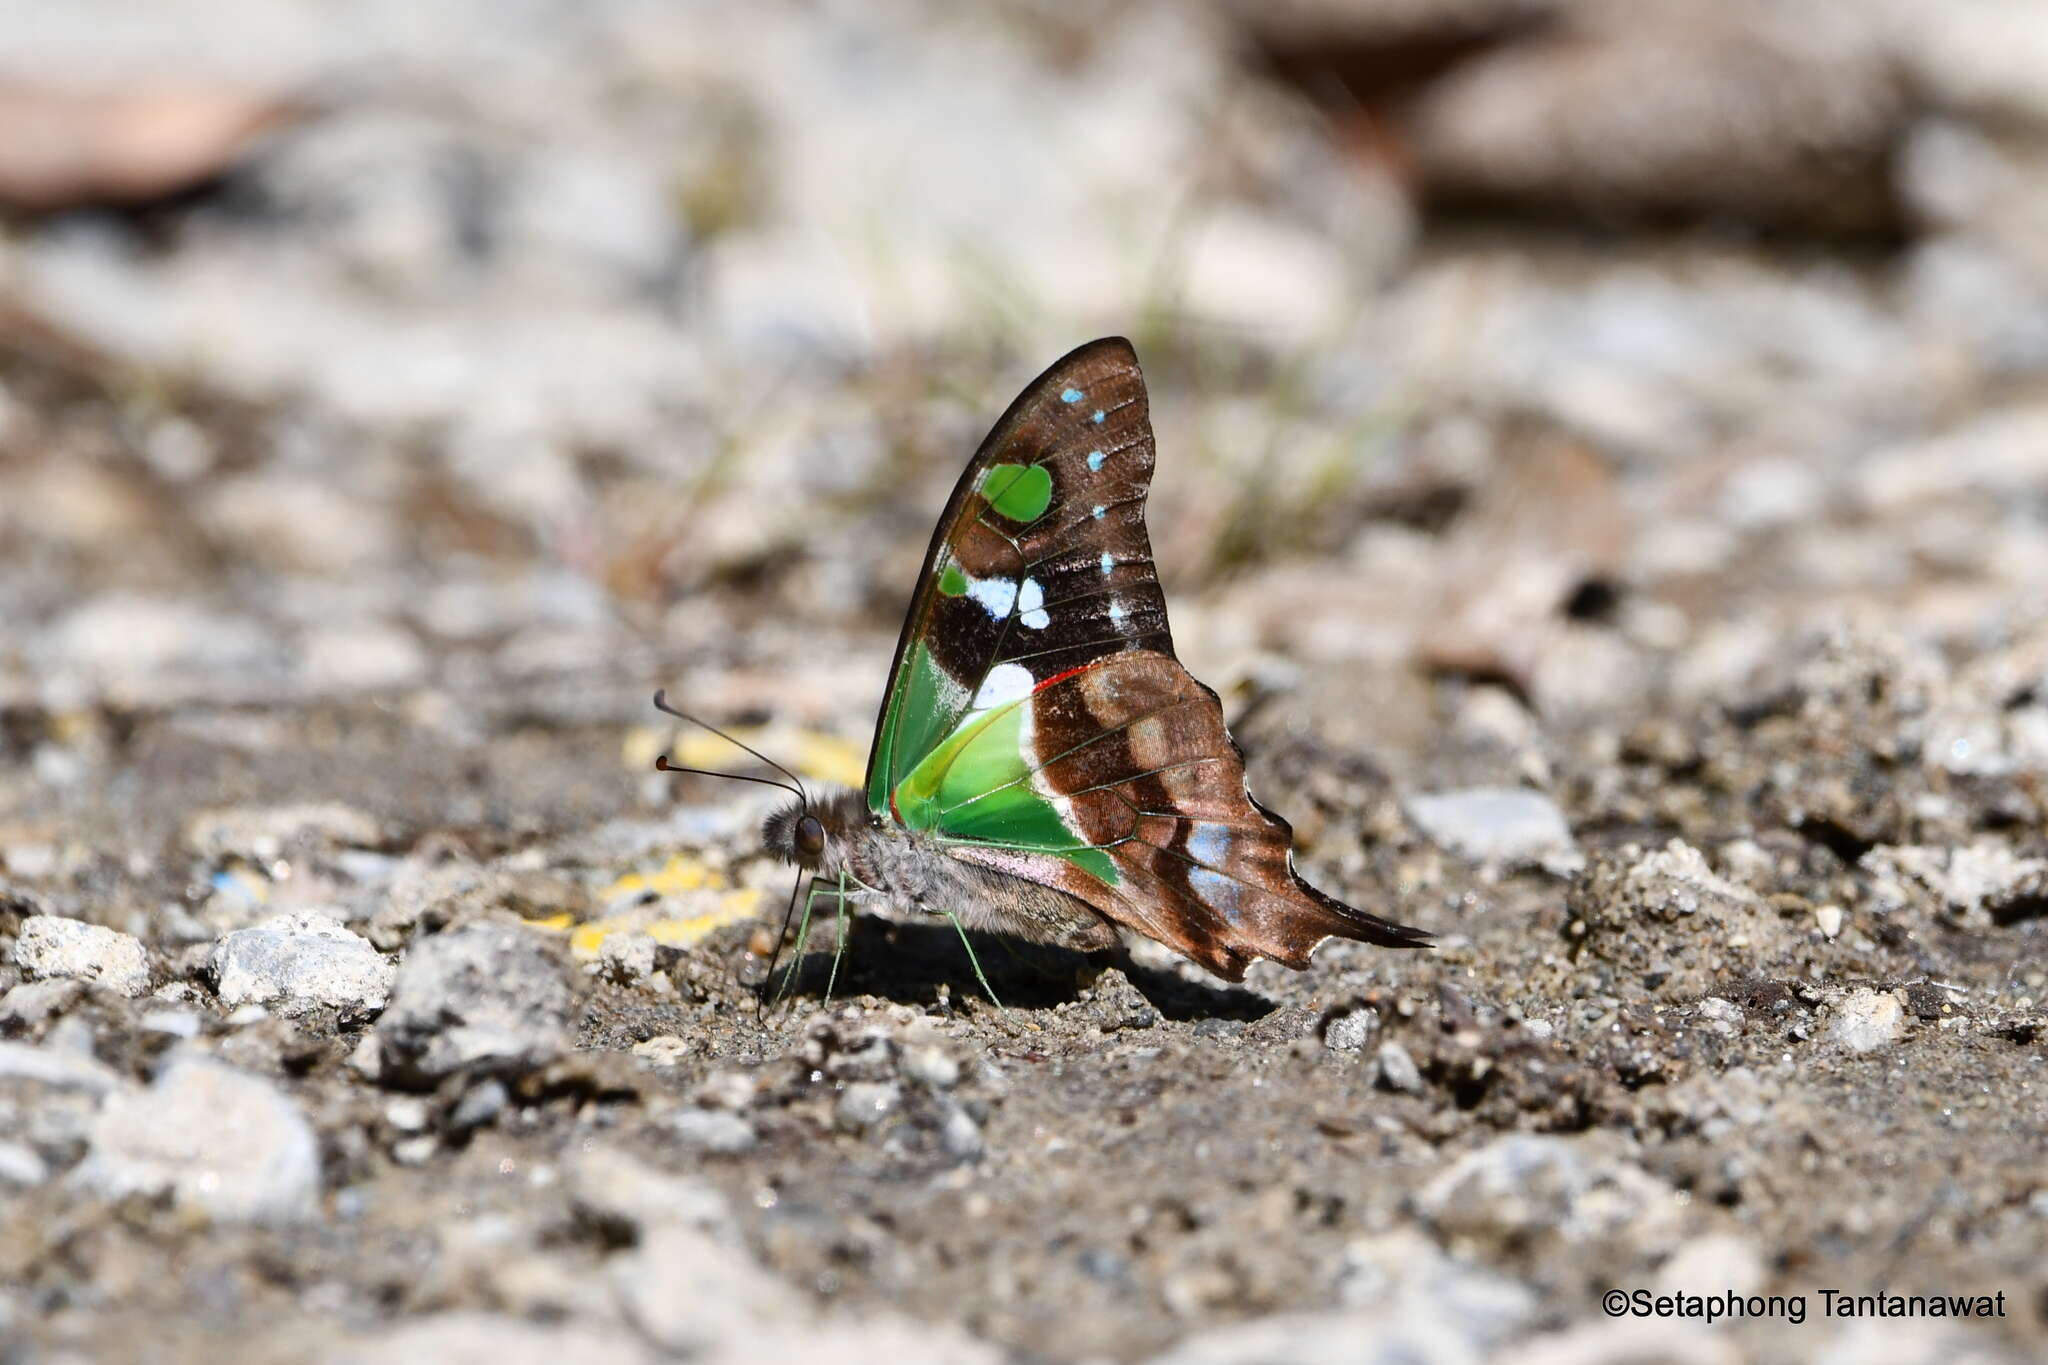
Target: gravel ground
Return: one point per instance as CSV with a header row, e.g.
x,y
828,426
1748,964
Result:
x,y
1616,557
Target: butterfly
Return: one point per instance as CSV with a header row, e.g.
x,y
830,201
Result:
x,y
1043,766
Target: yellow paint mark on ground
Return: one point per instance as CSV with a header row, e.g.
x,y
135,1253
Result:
x,y
681,873
586,939
642,745
674,931
810,752
830,759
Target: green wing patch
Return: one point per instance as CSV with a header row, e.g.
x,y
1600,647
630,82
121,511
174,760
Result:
x,y
975,787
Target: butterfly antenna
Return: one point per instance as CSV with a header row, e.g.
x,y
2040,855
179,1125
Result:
x,y
795,783
761,1000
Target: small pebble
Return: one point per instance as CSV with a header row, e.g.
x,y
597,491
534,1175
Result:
x,y
1866,1020
50,946
415,1151
300,962
865,1103
223,1142
407,1115
713,1130
1720,1015
932,1066
1398,1070
962,1135
1350,1032
664,1049
19,1165
479,1105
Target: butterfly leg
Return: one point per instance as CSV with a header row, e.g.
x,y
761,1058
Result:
x,y
803,937
839,937
972,960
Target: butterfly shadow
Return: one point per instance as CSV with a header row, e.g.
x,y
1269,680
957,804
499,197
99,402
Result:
x,y
923,964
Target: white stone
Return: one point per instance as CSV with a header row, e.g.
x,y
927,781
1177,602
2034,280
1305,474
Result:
x,y
1526,1184
1629,1342
1402,1274
299,962
615,1187
932,1066
713,1130
1398,1070
698,1295
489,993
1506,825
52,946
224,1143
1730,1263
56,1068
664,1049
1720,1015
20,1165
1349,1032
473,1338
1866,1020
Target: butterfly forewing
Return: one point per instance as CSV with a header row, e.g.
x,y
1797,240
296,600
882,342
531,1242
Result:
x,y
1040,563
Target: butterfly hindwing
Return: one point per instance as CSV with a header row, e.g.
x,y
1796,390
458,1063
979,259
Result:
x,y
1133,754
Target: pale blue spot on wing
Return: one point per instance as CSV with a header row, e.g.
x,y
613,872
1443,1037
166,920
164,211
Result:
x,y
1099,510
1095,459
1099,415
1072,396
1108,561
1116,612
996,595
1209,843
1004,684
1031,613
1216,890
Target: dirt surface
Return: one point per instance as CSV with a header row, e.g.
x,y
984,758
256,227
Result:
x,y
1654,613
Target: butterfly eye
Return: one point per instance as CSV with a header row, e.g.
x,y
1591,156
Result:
x,y
810,837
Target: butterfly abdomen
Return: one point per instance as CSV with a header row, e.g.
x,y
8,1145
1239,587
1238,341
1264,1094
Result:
x,y
912,872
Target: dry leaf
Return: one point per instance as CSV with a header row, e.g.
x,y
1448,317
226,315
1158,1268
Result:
x,y
75,148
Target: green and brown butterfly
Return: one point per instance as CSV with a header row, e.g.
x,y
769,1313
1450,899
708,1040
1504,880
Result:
x,y
1043,766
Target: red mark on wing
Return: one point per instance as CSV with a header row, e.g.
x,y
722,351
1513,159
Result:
x,y
1062,677
1036,689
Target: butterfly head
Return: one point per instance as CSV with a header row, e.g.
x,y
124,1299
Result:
x,y
795,835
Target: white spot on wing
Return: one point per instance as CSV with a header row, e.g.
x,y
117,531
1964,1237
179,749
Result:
x,y
996,595
1031,606
1004,684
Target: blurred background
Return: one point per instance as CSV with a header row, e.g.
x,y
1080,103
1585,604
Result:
x,y
474,352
